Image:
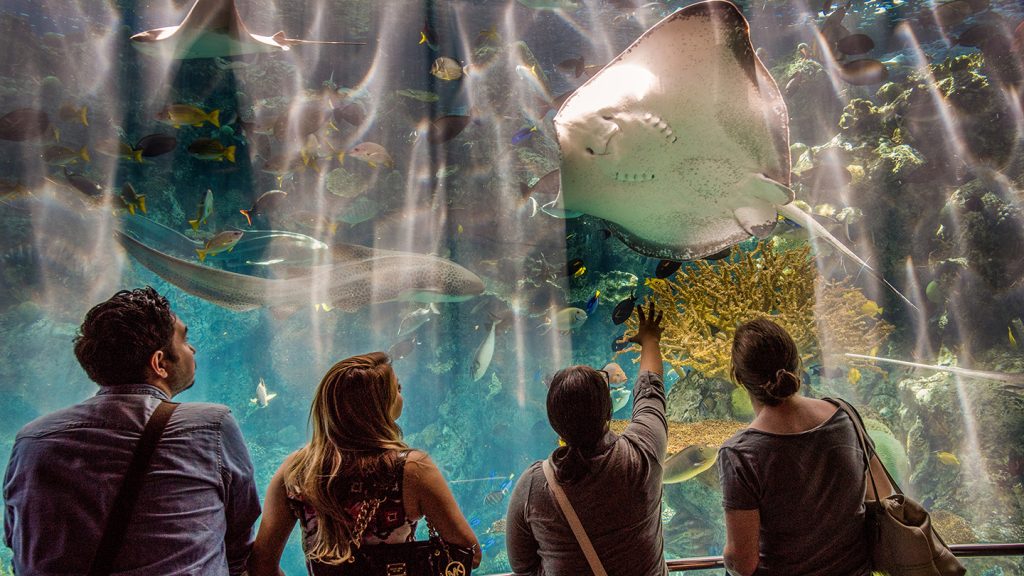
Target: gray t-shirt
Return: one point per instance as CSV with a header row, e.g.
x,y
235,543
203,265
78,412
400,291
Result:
x,y
809,490
618,503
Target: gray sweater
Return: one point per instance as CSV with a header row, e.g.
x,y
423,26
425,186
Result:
x,y
618,503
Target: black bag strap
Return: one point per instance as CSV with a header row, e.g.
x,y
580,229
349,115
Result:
x,y
124,503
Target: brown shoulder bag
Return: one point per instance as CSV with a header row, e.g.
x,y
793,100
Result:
x,y
900,533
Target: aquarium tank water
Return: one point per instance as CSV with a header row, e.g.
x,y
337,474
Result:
x,y
485,189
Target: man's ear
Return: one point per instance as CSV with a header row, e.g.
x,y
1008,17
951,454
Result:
x,y
156,362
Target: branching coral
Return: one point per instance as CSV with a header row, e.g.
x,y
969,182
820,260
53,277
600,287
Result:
x,y
705,303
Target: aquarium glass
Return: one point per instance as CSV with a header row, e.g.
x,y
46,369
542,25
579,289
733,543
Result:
x,y
380,176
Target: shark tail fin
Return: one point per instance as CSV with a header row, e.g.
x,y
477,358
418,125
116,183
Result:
x,y
797,215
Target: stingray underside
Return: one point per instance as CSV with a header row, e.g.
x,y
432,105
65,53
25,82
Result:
x,y
682,142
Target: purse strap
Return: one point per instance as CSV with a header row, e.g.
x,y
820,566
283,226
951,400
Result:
x,y
124,503
858,424
574,521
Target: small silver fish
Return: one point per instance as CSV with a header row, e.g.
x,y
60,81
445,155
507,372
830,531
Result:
x,y
413,320
484,353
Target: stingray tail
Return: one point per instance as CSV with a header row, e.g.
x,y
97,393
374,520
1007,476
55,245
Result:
x,y
804,219
1007,378
283,40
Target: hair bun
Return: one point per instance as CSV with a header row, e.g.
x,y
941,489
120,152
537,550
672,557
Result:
x,y
786,384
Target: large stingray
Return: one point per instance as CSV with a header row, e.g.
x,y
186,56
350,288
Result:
x,y
681,143
369,276
212,29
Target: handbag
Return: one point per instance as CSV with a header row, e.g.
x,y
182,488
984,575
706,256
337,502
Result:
x,y
124,503
574,521
901,538
431,557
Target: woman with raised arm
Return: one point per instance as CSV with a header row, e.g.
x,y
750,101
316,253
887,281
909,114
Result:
x,y
356,482
612,482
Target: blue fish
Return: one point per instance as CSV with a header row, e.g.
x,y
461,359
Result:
x,y
474,522
592,303
523,135
618,344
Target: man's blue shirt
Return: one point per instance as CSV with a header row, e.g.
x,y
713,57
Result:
x,y
195,511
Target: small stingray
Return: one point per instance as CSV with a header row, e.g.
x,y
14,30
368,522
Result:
x,y
213,29
681,143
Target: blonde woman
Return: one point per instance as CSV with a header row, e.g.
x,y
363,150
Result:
x,y
355,458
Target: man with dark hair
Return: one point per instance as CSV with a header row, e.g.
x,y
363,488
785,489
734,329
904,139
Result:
x,y
197,502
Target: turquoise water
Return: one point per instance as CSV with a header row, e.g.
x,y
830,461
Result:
x,y
919,174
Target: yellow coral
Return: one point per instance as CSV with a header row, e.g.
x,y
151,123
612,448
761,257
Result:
x,y
683,434
955,529
704,304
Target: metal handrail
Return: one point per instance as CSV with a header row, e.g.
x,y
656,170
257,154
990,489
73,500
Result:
x,y
960,550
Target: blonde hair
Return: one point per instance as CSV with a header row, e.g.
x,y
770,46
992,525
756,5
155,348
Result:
x,y
352,433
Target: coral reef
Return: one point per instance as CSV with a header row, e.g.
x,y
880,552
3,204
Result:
x,y
980,240
972,422
694,398
704,303
953,529
812,101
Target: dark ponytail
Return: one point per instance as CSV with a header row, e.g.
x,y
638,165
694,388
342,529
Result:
x,y
765,361
579,409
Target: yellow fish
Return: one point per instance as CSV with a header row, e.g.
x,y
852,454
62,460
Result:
x,y
948,458
224,241
580,272
69,113
853,376
870,308
179,115
1009,334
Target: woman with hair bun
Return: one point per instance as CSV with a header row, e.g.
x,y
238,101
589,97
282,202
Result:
x,y
793,482
612,481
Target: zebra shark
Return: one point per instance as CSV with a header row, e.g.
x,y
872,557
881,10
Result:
x,y
371,276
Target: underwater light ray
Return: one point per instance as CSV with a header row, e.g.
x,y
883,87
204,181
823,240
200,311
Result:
x,y
922,343
375,82
978,480
413,232
1015,380
951,128
930,6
